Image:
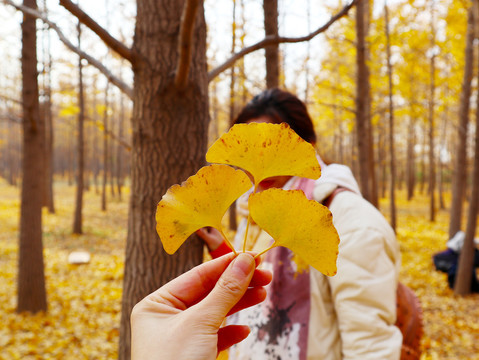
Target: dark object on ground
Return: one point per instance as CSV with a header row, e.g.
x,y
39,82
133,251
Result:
x,y
446,261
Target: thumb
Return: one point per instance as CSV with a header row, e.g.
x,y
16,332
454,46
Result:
x,y
229,289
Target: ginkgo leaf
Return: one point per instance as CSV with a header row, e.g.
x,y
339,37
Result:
x,y
200,201
302,225
266,150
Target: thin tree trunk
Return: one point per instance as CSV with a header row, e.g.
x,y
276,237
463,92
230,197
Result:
x,y
270,8
362,89
232,110
119,150
70,167
77,220
31,293
95,150
462,285
460,171
423,158
105,151
432,160
47,89
392,164
443,141
170,131
11,158
411,158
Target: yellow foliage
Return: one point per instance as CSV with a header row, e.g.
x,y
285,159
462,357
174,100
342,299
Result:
x,y
304,226
201,201
84,301
265,150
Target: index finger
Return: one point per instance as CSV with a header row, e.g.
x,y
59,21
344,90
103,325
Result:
x,y
192,286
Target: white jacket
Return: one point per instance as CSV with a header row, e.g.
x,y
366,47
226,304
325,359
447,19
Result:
x,y
352,314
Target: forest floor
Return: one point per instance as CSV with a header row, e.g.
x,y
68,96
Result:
x,y
84,301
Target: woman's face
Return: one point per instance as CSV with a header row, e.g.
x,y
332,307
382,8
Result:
x,y
275,181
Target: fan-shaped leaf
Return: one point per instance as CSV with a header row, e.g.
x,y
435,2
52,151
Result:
x,y
266,150
302,225
200,201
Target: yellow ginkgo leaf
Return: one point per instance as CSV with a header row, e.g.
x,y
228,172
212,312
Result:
x,y
266,150
200,201
302,225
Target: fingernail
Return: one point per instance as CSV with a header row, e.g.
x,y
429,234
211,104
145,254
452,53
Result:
x,y
244,263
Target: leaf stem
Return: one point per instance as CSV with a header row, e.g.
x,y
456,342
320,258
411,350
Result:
x,y
249,221
246,232
227,241
262,252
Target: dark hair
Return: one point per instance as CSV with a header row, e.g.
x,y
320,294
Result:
x,y
280,106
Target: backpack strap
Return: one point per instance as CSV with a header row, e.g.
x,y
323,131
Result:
x,y
326,202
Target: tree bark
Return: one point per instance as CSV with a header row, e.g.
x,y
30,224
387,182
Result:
x,y
77,220
392,159
105,152
48,116
432,160
31,279
411,158
232,110
462,285
169,143
270,8
460,171
120,157
362,101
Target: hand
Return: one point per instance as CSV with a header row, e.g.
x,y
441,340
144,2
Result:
x,y
182,319
211,237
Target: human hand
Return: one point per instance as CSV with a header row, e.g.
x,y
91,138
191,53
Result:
x,y
182,319
211,236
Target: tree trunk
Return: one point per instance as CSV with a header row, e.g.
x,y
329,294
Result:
x,y
362,101
95,149
411,158
423,158
432,161
460,172
272,52
77,220
462,285
169,143
119,150
48,116
392,164
31,279
105,151
232,110
443,141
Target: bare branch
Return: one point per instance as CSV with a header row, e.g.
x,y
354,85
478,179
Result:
x,y
12,118
8,98
336,106
121,141
272,40
112,78
185,42
103,34
112,135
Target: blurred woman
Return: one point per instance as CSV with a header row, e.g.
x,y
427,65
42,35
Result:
x,y
306,314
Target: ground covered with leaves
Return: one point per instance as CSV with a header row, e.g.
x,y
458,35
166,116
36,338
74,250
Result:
x,y
85,300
